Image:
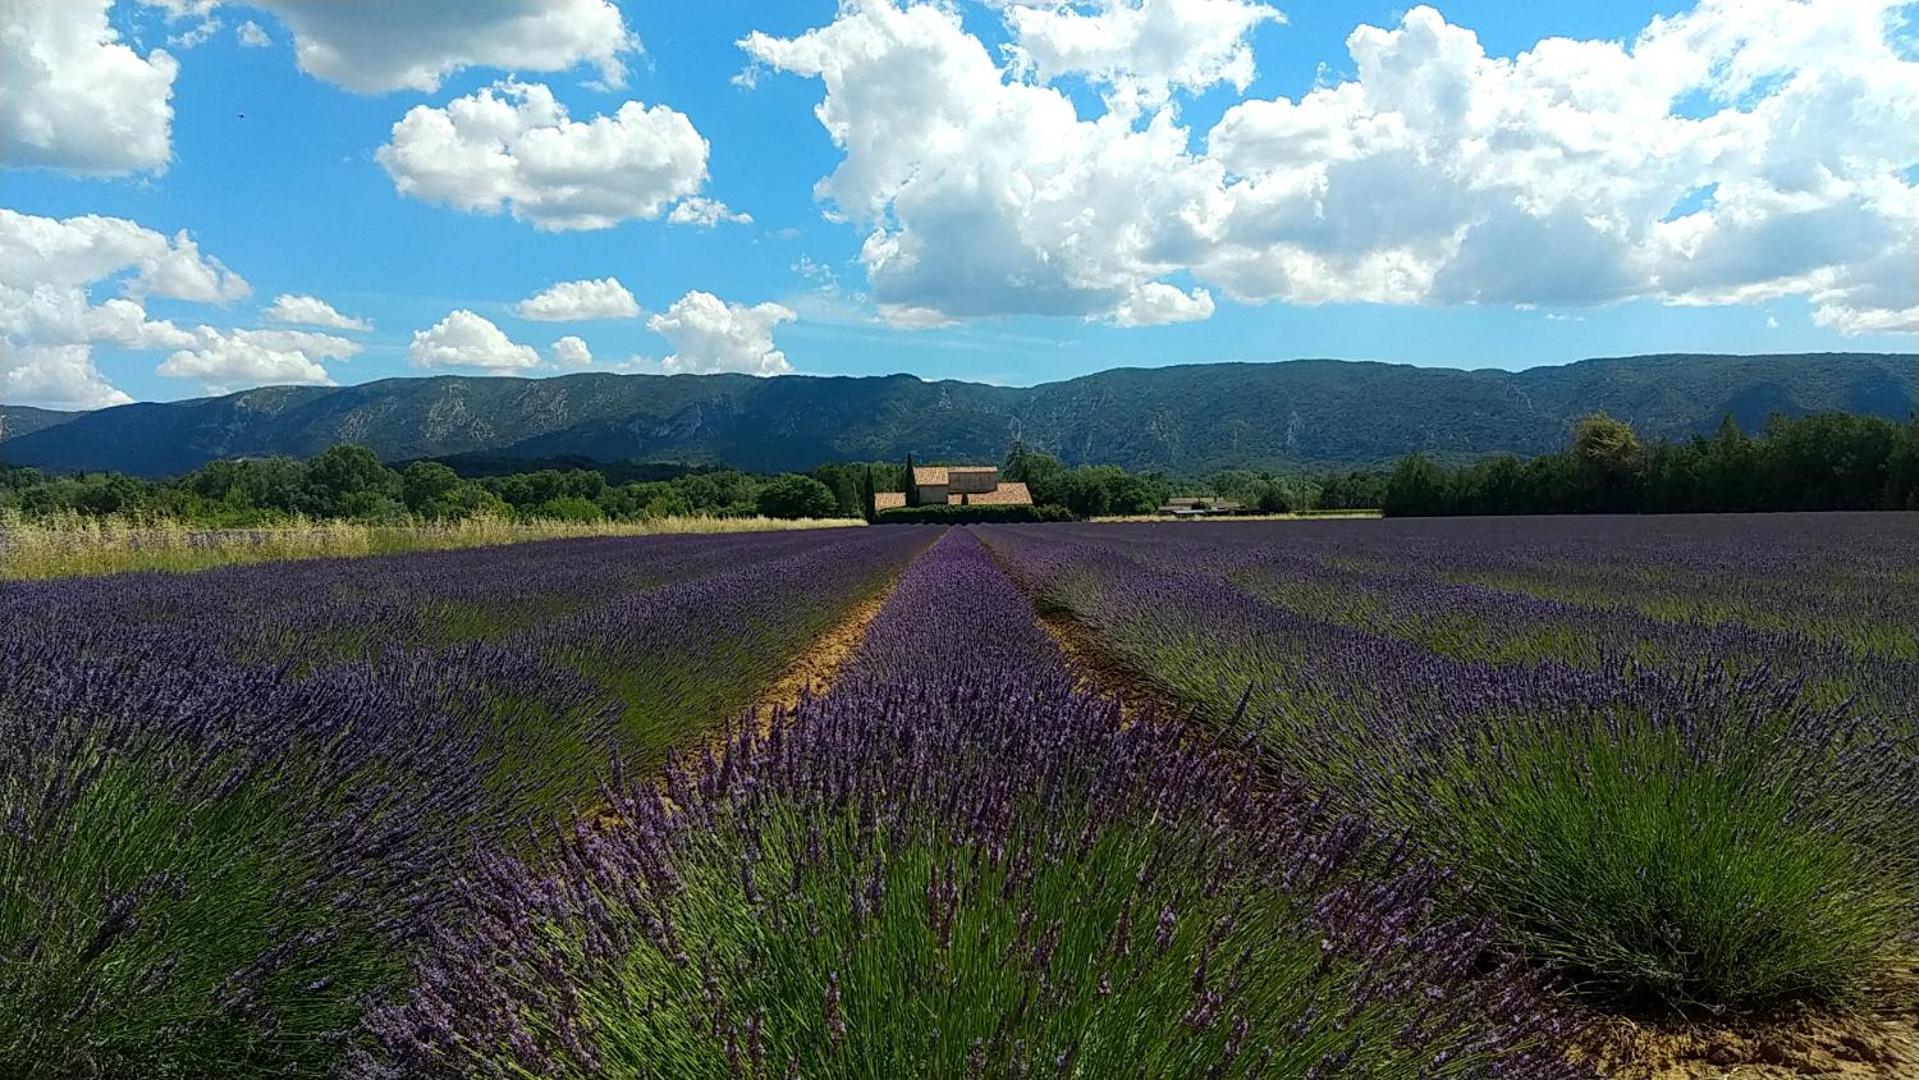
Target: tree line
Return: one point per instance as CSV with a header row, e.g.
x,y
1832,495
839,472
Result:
x,y
1820,461
350,482
1102,490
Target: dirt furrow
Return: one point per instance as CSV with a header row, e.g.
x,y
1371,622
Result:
x,y
813,672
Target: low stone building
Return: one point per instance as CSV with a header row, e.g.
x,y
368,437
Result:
x,y
955,485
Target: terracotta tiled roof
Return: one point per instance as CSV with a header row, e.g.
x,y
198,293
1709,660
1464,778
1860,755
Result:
x,y
972,468
889,500
1007,494
931,475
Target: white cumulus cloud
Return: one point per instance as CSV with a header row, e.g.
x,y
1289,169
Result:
x,y
512,147
232,359
579,301
982,195
55,377
311,311
1142,50
49,321
710,335
571,351
706,213
1157,304
252,35
464,339
74,97
1735,153
372,48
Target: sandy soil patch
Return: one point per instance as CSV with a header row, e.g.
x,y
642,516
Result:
x,y
812,673
1879,1041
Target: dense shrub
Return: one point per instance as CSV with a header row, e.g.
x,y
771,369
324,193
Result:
x,y
794,496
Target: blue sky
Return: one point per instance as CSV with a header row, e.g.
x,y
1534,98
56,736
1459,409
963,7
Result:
x,y
294,198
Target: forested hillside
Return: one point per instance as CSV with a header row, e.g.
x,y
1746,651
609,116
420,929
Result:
x,y
1315,414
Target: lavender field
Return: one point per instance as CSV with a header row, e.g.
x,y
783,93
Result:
x,y
1371,799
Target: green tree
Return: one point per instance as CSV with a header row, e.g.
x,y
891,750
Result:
x,y
1417,487
1902,473
795,496
426,485
1610,462
845,480
1044,475
350,481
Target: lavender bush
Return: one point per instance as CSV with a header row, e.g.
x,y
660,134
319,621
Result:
x,y
236,802
954,864
1691,813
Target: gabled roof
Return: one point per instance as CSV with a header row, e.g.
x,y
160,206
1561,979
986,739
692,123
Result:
x,y
930,475
1007,494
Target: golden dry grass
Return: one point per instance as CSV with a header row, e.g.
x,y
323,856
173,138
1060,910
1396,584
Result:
x,y
77,546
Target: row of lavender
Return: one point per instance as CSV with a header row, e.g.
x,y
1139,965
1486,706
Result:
x,y
235,803
957,864
1657,787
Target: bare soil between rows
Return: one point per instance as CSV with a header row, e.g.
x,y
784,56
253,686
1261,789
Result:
x,y
1097,672
1878,1041
813,672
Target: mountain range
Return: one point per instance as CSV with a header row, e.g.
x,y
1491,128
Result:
x,y
1185,419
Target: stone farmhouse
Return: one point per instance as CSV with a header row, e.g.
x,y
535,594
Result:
x,y
955,485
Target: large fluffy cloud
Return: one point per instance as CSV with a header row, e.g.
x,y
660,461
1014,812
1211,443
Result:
x,y
708,335
466,340
579,301
89,248
513,147
49,321
1738,152
1157,304
74,97
983,195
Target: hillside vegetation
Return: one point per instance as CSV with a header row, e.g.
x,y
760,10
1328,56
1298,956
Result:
x,y
1314,414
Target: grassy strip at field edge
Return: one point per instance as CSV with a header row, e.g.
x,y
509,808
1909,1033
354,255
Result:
x,y
87,547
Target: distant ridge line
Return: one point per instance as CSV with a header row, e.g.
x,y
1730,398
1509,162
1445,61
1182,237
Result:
x,y
1310,412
